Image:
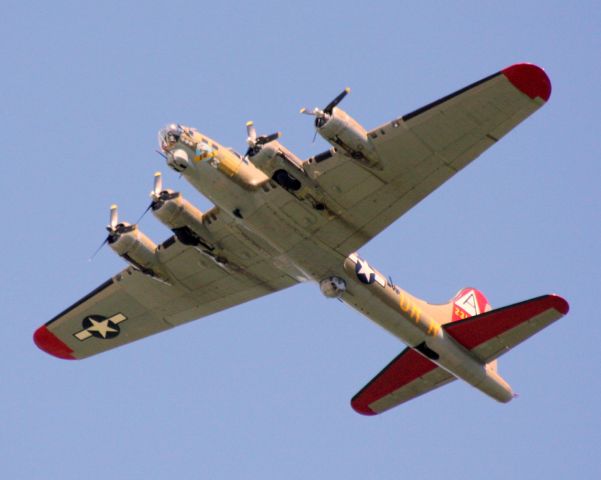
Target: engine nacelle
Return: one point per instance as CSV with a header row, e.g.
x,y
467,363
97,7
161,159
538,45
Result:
x,y
280,164
184,219
344,132
136,248
274,155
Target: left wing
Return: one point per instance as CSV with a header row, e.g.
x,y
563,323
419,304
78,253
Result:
x,y
132,305
421,150
408,376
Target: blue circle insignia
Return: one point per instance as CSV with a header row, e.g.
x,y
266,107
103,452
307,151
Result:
x,y
364,272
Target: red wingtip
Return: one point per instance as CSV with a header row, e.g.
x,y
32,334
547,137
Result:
x,y
560,304
47,341
362,408
529,79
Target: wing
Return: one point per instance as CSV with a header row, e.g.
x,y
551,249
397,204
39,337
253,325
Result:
x,y
132,305
422,150
408,376
491,334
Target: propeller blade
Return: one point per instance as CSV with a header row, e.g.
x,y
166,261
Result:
x,y
114,218
336,101
316,112
268,138
111,227
158,186
251,133
105,241
145,212
155,194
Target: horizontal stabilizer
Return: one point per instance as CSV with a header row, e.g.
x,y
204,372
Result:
x,y
493,333
408,376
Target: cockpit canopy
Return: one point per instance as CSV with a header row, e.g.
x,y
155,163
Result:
x,y
169,136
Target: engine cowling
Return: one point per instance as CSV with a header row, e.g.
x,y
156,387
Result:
x,y
263,157
344,132
135,247
280,164
181,217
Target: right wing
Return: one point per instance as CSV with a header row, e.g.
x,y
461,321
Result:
x,y
132,305
408,376
420,151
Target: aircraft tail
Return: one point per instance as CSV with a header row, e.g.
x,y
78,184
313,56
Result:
x,y
468,302
471,322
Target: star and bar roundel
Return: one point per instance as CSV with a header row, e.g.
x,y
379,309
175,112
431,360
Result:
x,y
364,272
100,327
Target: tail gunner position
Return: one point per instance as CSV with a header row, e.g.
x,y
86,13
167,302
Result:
x,y
279,220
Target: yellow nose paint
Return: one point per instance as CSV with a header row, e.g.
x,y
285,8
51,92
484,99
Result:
x,y
229,163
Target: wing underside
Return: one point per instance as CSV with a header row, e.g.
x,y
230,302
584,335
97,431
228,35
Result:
x,y
132,305
422,150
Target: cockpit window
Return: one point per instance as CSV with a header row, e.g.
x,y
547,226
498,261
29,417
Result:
x,y
169,136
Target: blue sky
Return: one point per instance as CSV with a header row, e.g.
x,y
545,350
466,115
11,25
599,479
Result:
x,y
263,390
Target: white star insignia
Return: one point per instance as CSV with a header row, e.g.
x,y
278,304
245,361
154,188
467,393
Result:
x,y
365,270
101,327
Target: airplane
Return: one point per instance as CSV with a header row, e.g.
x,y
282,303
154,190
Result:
x,y
279,220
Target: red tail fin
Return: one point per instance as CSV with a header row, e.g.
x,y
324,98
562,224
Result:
x,y
468,302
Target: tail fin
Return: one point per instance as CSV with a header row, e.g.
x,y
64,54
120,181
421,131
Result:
x,y
468,302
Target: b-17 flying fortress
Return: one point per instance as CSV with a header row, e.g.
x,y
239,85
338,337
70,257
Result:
x,y
279,220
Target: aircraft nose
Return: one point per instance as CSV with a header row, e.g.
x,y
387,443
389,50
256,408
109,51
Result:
x,y
168,136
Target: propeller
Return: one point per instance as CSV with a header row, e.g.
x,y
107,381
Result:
x,y
255,143
158,195
322,116
114,228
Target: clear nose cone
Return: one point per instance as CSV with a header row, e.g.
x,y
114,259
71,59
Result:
x,y
169,135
